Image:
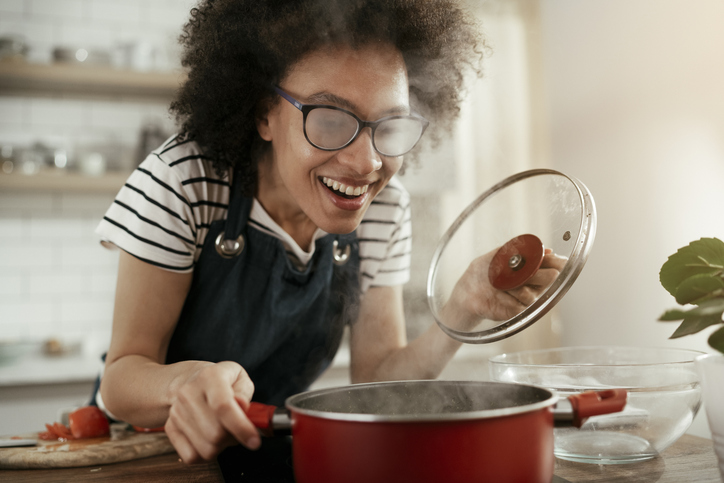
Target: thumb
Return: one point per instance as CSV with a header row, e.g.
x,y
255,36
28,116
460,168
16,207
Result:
x,y
243,389
241,383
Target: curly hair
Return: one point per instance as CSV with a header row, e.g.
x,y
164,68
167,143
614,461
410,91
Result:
x,y
234,50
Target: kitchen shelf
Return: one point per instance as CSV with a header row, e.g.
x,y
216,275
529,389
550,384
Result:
x,y
63,181
20,77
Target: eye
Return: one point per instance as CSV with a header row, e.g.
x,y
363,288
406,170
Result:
x,y
389,129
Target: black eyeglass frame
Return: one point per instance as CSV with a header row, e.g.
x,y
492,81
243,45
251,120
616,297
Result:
x,y
307,108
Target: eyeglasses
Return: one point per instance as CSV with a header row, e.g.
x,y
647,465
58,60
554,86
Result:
x,y
331,128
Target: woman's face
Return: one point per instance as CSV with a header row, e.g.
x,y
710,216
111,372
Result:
x,y
372,83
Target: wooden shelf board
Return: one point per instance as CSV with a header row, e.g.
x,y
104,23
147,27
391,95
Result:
x,y
62,181
16,76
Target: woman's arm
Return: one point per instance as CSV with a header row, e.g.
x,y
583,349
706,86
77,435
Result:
x,y
378,342
136,387
198,402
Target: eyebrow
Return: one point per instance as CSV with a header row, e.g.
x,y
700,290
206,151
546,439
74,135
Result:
x,y
324,97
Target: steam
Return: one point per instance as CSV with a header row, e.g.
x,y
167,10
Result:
x,y
419,398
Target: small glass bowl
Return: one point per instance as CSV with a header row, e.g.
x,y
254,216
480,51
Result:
x,y
663,388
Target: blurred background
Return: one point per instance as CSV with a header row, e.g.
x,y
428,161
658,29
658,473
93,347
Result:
x,y
624,95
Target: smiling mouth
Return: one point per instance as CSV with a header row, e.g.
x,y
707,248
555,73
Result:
x,y
343,190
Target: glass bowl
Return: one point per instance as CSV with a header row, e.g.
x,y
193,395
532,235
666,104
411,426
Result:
x,y
663,388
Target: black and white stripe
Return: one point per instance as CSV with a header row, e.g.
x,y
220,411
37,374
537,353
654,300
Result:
x,y
165,209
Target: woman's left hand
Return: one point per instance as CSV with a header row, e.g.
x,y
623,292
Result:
x,y
474,298
208,412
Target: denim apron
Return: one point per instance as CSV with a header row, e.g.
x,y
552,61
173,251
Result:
x,y
248,303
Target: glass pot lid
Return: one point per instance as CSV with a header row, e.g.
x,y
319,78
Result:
x,y
511,255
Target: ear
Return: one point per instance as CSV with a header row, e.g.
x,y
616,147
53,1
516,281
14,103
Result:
x,y
264,111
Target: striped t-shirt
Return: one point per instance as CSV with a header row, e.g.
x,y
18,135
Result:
x,y
164,211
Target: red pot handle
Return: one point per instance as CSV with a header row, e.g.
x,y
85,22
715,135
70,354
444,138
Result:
x,y
593,403
269,420
261,415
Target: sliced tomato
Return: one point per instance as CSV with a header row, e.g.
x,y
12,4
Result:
x,y
47,435
56,431
62,431
88,422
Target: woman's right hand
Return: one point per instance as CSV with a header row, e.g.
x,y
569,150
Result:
x,y
474,298
207,413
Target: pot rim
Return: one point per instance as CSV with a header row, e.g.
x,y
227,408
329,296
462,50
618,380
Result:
x,y
292,404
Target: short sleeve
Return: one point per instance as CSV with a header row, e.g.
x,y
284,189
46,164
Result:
x,y
385,237
152,217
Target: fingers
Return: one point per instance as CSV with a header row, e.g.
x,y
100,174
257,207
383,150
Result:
x,y
224,405
550,268
206,415
183,446
551,260
525,295
475,299
243,386
201,436
535,286
542,279
512,306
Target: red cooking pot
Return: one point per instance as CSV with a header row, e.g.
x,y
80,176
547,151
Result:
x,y
428,431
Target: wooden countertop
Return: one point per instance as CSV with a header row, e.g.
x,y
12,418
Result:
x,y
690,459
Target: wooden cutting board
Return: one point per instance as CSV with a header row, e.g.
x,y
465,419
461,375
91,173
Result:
x,y
122,445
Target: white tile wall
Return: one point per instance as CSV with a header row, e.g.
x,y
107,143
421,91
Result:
x,y
75,123
126,12
12,112
56,9
55,278
11,6
79,33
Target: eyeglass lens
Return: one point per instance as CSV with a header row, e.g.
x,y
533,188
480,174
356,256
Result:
x,y
332,129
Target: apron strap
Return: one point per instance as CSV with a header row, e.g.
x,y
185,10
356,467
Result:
x,y
238,213
230,243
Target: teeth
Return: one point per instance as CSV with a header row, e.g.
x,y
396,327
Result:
x,y
343,188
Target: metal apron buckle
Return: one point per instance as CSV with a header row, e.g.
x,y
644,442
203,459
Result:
x,y
229,248
341,255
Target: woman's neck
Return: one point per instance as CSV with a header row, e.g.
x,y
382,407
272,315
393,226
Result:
x,y
282,208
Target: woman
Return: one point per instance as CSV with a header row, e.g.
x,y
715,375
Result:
x,y
275,219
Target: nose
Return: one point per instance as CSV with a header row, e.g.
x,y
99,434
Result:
x,y
361,156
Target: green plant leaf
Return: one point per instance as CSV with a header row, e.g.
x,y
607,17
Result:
x,y
705,309
716,340
704,256
692,325
710,307
672,315
698,288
